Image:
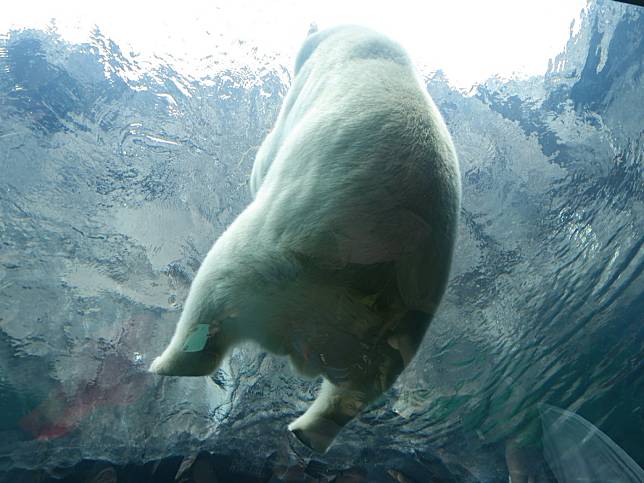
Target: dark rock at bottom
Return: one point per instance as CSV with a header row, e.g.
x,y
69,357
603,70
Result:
x,y
205,467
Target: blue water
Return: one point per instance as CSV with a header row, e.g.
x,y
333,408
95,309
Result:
x,y
115,178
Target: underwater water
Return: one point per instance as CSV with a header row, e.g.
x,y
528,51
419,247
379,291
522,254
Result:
x,y
116,177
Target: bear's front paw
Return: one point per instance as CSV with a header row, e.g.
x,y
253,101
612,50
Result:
x,y
157,366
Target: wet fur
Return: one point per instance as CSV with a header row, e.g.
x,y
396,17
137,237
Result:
x,y
342,257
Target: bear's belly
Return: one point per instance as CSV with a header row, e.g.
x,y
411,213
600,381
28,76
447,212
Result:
x,y
342,358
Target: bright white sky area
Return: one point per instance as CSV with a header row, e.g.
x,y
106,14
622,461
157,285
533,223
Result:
x,y
470,40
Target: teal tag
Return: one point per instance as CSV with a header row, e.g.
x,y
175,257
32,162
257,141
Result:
x,y
197,340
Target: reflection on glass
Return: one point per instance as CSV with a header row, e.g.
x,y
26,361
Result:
x,y
578,451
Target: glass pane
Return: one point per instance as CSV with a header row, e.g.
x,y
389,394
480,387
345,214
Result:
x,y
303,200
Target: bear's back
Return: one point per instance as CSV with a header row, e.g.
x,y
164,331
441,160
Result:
x,y
360,167
329,66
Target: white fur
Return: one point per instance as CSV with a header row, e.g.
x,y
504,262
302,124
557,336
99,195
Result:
x,y
349,238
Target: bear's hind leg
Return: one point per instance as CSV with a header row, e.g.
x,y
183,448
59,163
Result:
x,y
337,404
334,407
408,336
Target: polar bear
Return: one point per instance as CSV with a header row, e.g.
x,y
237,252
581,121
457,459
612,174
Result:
x,y
342,257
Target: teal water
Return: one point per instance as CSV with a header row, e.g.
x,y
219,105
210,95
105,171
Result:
x,y
115,178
